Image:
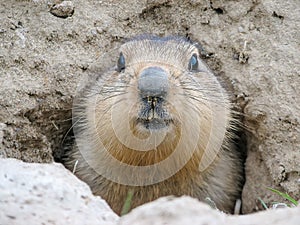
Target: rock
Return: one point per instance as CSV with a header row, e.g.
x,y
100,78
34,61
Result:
x,y
64,9
186,210
50,194
35,193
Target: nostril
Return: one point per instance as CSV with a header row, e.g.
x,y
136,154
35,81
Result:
x,y
153,81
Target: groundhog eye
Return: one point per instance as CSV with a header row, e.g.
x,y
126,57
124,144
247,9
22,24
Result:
x,y
193,64
121,63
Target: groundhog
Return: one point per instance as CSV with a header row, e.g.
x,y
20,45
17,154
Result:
x,y
158,123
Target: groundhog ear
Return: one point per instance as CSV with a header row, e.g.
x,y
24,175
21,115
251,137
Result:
x,y
121,63
193,63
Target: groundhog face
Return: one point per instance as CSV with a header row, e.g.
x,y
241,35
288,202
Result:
x,y
159,77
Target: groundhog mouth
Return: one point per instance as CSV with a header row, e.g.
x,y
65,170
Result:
x,y
153,115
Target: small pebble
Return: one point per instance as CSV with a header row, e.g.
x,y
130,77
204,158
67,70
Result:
x,y
279,206
63,10
241,30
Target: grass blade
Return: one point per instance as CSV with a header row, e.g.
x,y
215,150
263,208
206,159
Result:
x,y
127,204
284,195
263,203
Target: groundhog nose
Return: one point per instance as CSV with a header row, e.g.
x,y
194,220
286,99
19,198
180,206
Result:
x,y
153,82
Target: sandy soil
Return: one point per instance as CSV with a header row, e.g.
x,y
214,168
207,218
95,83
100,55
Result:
x,y
252,45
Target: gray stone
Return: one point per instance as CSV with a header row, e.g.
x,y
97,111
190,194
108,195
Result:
x,y
186,210
32,193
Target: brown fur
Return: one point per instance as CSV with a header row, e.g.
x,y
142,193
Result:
x,y
200,132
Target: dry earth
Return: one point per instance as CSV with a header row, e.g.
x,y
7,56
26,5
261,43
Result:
x,y
252,45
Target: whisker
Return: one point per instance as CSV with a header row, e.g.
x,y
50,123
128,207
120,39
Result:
x,y
107,110
111,91
117,86
208,97
113,96
66,120
201,100
74,124
189,86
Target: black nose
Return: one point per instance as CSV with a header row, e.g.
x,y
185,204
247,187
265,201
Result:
x,y
153,82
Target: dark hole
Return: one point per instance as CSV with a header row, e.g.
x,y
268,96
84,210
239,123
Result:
x,y
219,10
274,14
